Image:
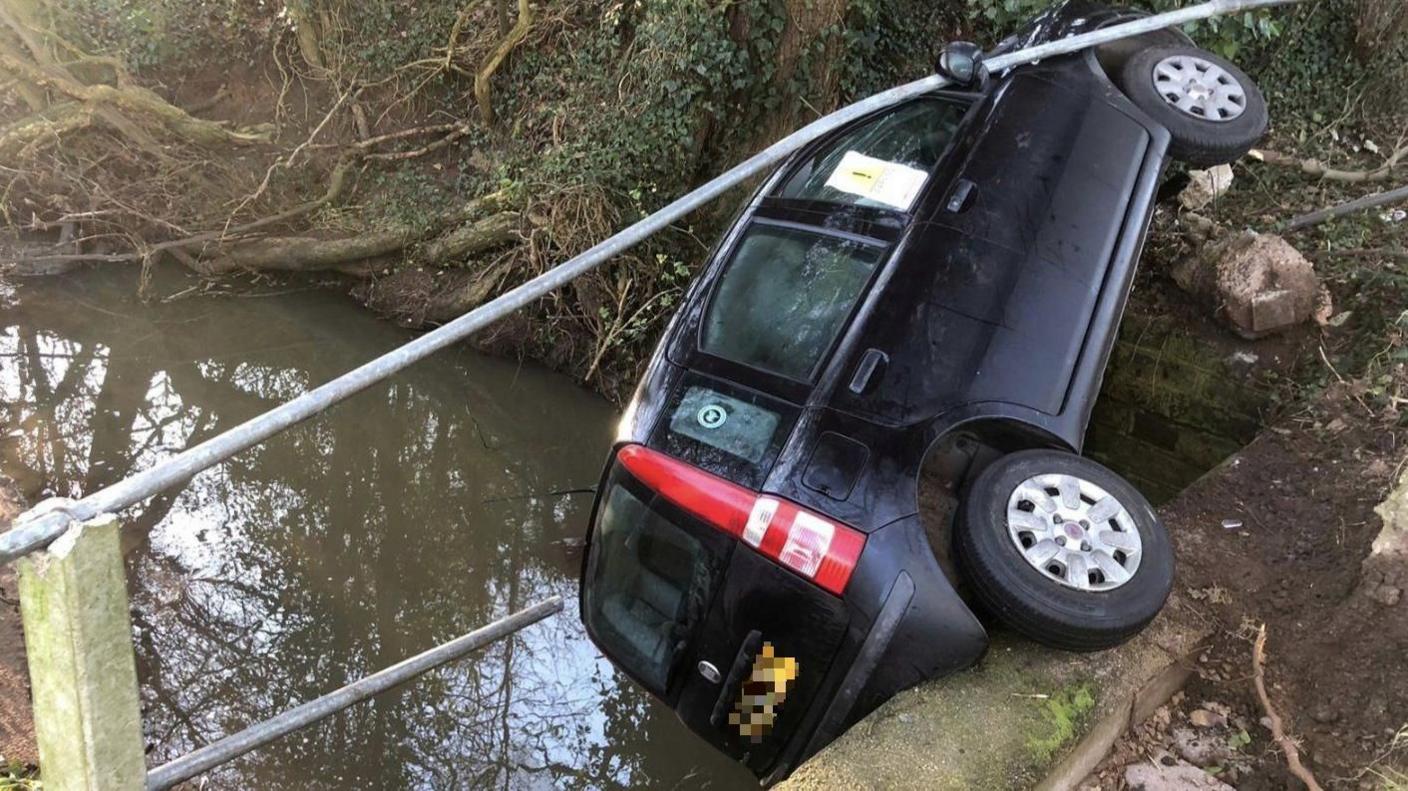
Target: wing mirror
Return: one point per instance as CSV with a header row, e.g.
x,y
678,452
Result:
x,y
962,63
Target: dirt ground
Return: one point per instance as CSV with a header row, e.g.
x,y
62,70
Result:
x,y
16,732
1277,536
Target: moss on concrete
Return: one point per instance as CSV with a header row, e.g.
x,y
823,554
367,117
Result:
x,y
1065,710
1003,724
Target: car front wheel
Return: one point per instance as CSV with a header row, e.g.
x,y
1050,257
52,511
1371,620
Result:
x,y
1213,111
1063,550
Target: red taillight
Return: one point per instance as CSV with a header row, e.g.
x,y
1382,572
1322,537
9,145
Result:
x,y
820,549
711,498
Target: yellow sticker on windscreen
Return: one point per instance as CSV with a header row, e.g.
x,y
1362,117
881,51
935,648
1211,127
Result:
x,y
891,183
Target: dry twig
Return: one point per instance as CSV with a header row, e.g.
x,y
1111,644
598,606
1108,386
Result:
x,y
1349,207
1318,169
1286,743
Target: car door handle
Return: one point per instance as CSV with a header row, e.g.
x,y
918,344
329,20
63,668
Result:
x,y
958,199
741,665
871,363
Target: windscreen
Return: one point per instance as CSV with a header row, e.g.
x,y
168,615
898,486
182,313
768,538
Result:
x,y
783,298
882,163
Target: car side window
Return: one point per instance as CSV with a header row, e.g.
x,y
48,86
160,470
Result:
x,y
784,297
882,163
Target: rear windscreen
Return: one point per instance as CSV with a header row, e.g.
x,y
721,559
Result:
x,y
784,297
647,583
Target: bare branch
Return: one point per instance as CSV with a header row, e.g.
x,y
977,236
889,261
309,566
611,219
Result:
x,y
1278,732
1316,168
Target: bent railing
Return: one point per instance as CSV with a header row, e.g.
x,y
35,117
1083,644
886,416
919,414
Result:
x,y
72,586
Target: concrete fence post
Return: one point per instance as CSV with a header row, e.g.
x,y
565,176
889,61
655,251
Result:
x,y
87,718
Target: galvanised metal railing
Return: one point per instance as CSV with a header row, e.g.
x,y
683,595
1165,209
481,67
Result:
x,y
74,716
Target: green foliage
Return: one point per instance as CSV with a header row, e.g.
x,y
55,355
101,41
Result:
x,y
890,40
1312,77
371,39
147,34
405,198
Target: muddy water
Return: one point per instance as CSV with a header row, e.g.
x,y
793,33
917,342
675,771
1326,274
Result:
x,y
417,511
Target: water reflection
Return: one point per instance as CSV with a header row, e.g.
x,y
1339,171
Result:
x,y
417,511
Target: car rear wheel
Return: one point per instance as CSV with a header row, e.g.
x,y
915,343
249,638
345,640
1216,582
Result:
x,y
1211,108
1063,550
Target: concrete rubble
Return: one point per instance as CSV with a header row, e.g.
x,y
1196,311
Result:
x,y
1205,186
1385,571
1174,775
1258,282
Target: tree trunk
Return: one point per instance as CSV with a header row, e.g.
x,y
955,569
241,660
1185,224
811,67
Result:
x,y
808,21
308,33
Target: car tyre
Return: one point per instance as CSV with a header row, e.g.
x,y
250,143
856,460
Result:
x,y
1000,549
1213,111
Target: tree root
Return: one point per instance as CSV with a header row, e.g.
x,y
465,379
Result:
x,y
1318,169
482,88
129,98
21,139
417,296
1348,207
470,238
455,132
1287,745
336,183
474,228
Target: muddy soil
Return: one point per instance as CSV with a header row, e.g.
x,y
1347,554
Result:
x,y
1277,537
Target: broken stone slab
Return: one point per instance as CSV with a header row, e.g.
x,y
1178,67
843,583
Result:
x,y
1384,574
1025,716
1178,776
1258,282
1205,186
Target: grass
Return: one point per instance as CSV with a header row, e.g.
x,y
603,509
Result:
x,y
16,777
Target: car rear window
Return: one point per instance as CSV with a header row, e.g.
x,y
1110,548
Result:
x,y
784,296
649,580
882,163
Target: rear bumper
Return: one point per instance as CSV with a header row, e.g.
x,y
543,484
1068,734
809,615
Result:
x,y
909,625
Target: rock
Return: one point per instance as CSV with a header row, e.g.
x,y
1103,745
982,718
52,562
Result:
x,y
1242,358
1384,574
1324,714
1205,186
1203,718
1393,539
1259,282
1178,777
1199,749
1386,595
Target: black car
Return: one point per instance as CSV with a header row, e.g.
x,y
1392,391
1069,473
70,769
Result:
x,y
939,284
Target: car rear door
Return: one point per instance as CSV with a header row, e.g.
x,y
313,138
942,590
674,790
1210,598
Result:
x,y
772,637
739,645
